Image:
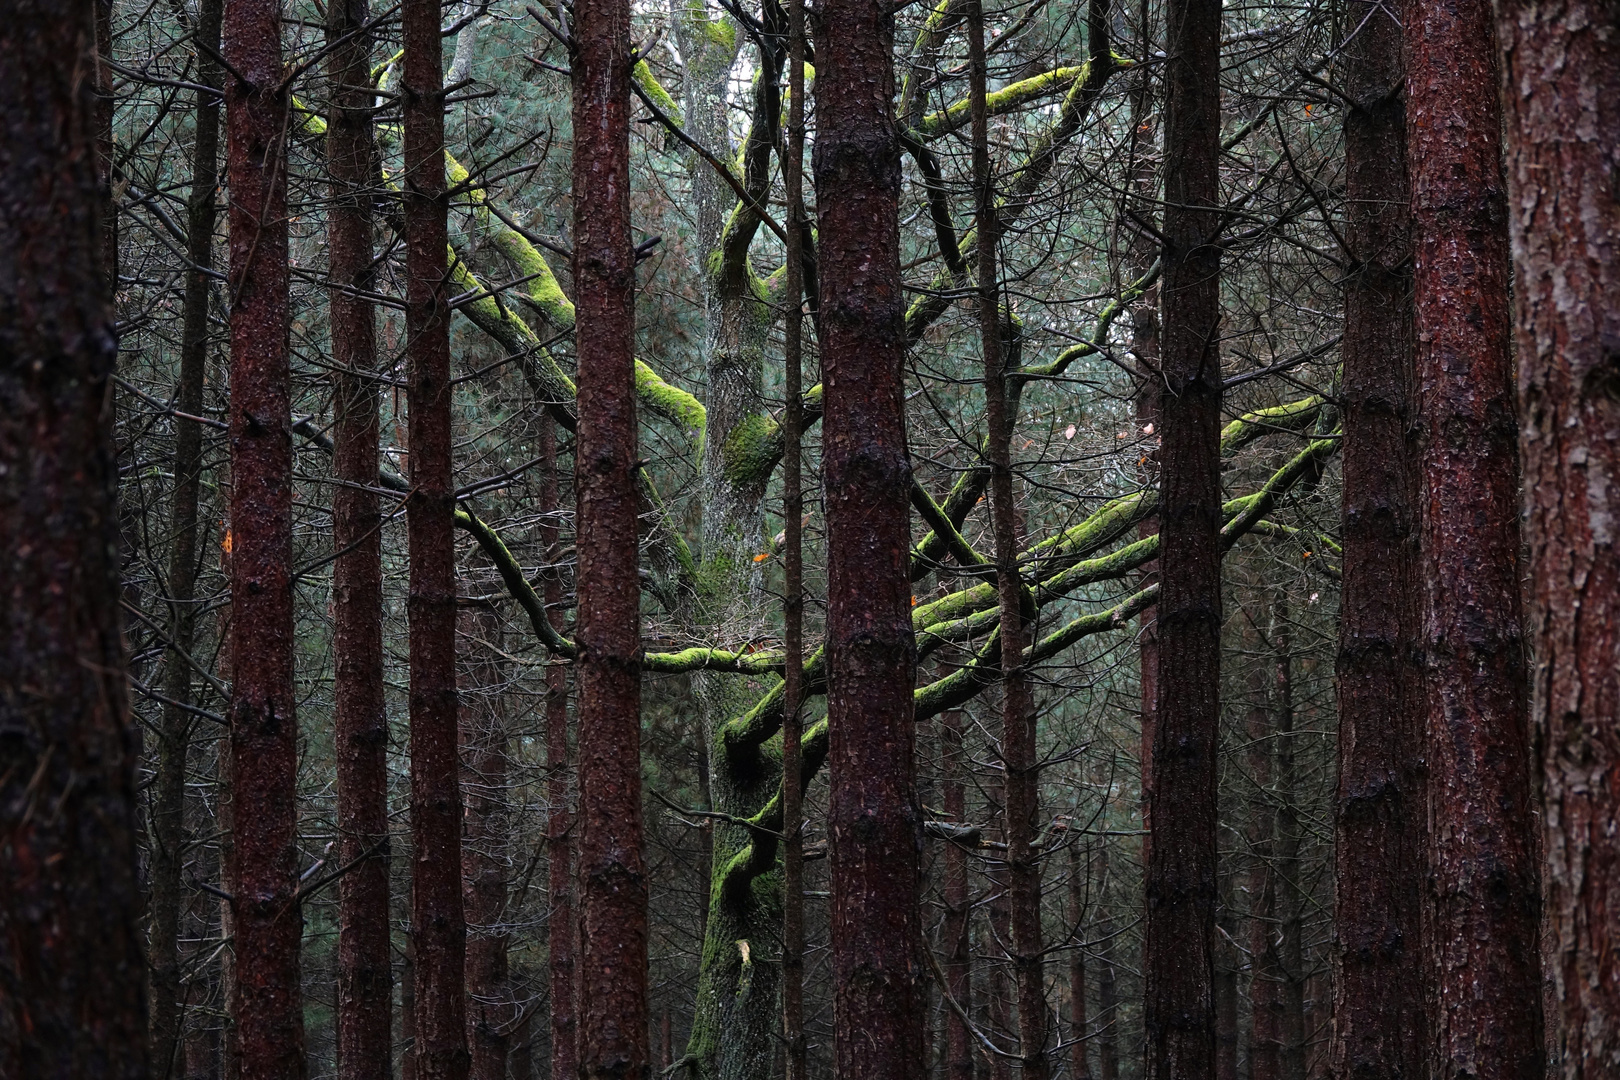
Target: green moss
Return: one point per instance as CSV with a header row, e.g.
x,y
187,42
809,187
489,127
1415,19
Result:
x,y
672,403
751,450
650,86
1002,101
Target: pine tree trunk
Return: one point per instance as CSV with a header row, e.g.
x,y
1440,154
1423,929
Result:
x,y
1480,932
166,816
264,736
1018,751
365,975
70,954
1179,930
613,1032
1562,97
438,918
1379,813
561,935
873,820
1107,982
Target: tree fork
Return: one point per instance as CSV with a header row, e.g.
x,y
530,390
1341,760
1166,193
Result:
x,y
613,1032
874,820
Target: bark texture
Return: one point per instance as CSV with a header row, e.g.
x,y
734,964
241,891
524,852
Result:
x,y
264,736
956,934
1561,91
1179,942
71,966
438,917
874,821
613,1032
1379,809
365,977
1480,924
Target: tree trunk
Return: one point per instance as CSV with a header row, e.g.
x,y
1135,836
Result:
x,y
874,821
166,816
1562,95
264,735
484,854
365,975
613,1035
1018,751
956,935
1379,812
438,919
1079,1054
561,934
793,1036
1481,922
1179,930
70,952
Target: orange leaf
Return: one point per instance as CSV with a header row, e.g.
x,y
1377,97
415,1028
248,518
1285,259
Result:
x,y
762,556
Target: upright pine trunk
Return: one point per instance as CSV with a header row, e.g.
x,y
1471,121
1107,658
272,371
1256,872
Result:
x,y
874,821
1107,1020
1021,787
1481,932
1561,89
166,817
1179,931
1379,809
793,566
613,1035
561,932
70,953
1290,899
264,736
1265,972
365,975
438,918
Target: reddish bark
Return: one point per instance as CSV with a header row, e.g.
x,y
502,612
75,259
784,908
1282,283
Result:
x,y
1179,930
264,736
1018,751
561,936
1561,90
1290,956
613,1033
365,976
874,821
1379,813
1481,920
1107,984
484,854
438,920
793,567
70,955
